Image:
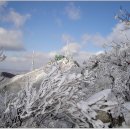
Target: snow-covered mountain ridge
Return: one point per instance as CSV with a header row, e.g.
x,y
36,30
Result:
x,y
64,94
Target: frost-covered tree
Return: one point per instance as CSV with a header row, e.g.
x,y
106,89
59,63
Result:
x,y
123,16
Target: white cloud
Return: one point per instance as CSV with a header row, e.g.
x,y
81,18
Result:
x,y
98,39
75,49
11,39
23,61
17,19
67,38
117,35
85,38
52,54
73,12
71,48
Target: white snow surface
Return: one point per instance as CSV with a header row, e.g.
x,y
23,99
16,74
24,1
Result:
x,y
98,96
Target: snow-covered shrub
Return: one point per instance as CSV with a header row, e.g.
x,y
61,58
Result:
x,y
64,99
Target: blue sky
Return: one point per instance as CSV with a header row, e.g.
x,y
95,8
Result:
x,y
41,32
47,26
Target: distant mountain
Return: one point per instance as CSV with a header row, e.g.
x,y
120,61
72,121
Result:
x,y
13,71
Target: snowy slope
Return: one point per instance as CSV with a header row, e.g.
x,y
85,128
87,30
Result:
x,y
62,94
